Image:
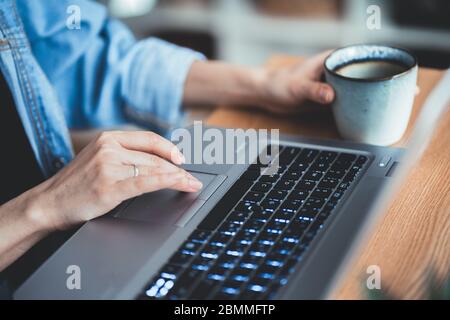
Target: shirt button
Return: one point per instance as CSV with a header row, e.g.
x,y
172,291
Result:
x,y
58,163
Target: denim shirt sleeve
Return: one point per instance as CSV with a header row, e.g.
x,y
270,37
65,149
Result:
x,y
102,75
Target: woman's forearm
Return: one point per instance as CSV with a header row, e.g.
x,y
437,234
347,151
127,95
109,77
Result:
x,y
280,90
20,227
218,83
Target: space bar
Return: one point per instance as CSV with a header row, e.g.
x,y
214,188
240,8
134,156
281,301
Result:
x,y
223,207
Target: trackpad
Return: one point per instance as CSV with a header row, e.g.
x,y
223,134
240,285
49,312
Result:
x,y
170,207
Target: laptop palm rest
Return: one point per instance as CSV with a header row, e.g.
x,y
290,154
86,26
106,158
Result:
x,y
170,207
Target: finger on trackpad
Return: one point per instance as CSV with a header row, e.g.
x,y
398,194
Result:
x,y
170,207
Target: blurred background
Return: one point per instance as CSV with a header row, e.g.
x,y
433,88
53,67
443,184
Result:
x,y
250,31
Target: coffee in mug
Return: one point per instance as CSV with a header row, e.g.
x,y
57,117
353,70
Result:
x,y
371,69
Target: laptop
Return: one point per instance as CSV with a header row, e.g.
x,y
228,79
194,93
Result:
x,y
245,235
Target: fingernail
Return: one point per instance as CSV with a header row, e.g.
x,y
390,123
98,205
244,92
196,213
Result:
x,y
190,176
177,157
181,158
325,95
195,184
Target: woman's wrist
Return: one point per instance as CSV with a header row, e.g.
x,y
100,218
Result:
x,y
36,212
211,82
260,89
271,92
252,87
21,226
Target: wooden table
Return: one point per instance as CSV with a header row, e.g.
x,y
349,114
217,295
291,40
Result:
x,y
415,232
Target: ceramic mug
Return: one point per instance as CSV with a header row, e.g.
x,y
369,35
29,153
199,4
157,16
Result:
x,y
375,87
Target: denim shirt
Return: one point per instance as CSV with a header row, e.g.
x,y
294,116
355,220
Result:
x,y
96,75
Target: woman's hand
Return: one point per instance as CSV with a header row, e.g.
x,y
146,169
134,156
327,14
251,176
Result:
x,y
286,89
102,176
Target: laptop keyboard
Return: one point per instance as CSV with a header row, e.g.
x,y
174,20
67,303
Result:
x,y
259,232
